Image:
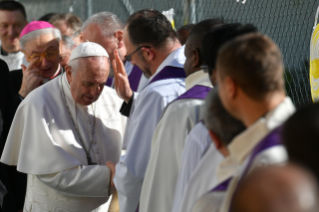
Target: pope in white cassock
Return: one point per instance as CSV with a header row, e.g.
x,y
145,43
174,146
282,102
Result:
x,y
63,134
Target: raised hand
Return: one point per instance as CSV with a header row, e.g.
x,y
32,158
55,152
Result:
x,y
31,79
121,83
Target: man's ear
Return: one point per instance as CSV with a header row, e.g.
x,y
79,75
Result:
x,y
197,61
216,140
231,87
68,71
148,54
60,46
119,36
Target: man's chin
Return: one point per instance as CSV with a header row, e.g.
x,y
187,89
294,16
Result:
x,y
48,74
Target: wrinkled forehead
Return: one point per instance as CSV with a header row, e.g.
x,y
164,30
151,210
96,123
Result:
x,y
42,42
93,63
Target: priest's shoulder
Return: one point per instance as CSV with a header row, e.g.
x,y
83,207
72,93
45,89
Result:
x,y
45,94
111,93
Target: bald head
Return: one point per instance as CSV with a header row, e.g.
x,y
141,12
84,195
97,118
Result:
x,y
277,189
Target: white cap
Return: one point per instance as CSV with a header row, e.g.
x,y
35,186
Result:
x,y
88,49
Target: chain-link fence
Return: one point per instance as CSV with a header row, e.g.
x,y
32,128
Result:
x,y
288,22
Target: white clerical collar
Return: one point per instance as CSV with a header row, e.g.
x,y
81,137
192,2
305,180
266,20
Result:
x,y
175,59
198,78
243,144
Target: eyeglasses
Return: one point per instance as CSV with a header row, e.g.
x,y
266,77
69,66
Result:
x,y
51,55
129,57
76,34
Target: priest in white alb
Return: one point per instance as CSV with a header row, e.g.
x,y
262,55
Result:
x,y
65,132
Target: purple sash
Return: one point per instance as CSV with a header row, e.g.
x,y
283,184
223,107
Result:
x,y
196,92
222,186
134,78
271,140
169,72
109,82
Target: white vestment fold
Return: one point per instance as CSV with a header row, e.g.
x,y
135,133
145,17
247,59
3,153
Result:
x,y
145,113
43,143
168,143
198,170
240,150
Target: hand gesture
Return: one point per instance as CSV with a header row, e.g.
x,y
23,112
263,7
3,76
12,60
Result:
x,y
111,166
121,83
31,79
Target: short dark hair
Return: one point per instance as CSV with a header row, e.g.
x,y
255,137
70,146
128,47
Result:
x,y
13,6
201,29
254,62
187,27
47,17
300,135
219,121
150,27
215,39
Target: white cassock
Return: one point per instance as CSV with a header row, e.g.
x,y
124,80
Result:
x,y
241,149
168,144
198,169
13,60
145,113
44,144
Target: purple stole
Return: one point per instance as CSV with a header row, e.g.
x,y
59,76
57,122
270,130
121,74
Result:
x,y
271,140
222,186
196,92
169,72
135,77
109,81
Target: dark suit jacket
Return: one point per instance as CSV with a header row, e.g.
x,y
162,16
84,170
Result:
x,y
16,78
13,186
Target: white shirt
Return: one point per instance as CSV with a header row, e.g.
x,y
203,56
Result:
x,y
199,154
167,147
241,147
145,113
14,60
43,143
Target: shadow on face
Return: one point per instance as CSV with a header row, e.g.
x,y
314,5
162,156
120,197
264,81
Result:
x,y
87,78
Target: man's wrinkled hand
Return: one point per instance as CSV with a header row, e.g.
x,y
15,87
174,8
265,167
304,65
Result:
x,y
121,82
31,79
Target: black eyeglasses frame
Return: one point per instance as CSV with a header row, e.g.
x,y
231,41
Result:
x,y
129,57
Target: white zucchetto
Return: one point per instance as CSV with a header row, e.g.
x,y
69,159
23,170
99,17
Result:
x,y
88,49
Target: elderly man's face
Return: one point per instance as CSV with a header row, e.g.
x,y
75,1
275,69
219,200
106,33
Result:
x,y
65,55
48,45
88,81
93,34
11,25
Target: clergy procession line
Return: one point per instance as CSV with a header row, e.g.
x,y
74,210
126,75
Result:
x,y
103,116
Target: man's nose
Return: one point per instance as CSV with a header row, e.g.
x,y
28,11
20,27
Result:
x,y
45,62
11,31
96,90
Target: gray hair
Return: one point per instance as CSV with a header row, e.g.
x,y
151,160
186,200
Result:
x,y
68,42
34,34
218,120
107,21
